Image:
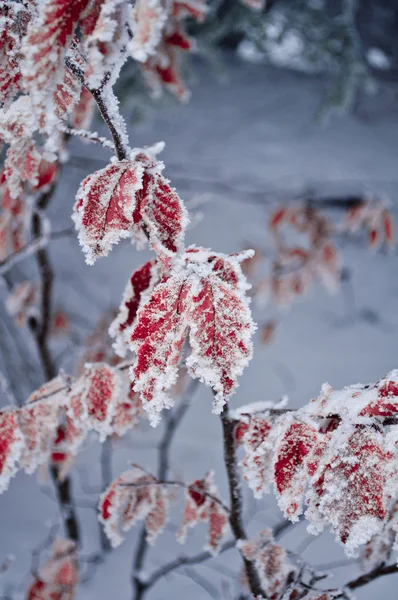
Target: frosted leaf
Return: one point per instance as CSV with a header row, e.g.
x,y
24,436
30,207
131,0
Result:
x,y
11,446
106,41
149,18
105,206
128,411
14,19
38,420
13,226
130,498
349,489
58,577
221,330
67,94
45,45
201,505
93,401
290,476
271,563
157,338
257,464
139,287
194,297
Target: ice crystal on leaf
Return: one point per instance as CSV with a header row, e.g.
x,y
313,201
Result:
x,y
198,297
11,445
13,234
202,503
378,550
132,497
115,202
58,577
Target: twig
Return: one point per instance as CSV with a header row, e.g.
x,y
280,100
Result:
x,y
88,135
33,246
235,517
372,575
181,561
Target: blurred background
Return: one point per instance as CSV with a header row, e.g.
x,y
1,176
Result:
x,y
293,104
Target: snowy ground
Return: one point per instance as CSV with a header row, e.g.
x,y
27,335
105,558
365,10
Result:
x,y
239,148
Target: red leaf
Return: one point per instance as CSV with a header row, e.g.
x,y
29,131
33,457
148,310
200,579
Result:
x,y
14,19
149,19
289,472
140,284
11,445
220,337
350,490
157,338
58,577
105,203
388,229
83,111
132,497
48,37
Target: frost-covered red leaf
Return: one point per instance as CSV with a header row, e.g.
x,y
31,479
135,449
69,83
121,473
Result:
x,y
21,302
157,338
198,297
221,329
14,19
115,202
350,489
83,111
105,206
139,286
127,413
106,41
257,464
58,577
11,446
94,397
149,18
202,504
289,468
271,561
45,45
132,497
38,420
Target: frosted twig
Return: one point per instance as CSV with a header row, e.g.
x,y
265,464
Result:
x,y
90,136
31,248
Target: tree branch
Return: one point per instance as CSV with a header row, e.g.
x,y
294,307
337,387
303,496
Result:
x,y
235,518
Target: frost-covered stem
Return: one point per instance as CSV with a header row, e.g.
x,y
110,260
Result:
x,y
120,149
235,516
164,446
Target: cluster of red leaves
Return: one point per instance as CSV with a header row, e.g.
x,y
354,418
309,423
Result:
x,y
270,559
334,453
58,577
133,496
158,36
200,300
14,19
314,256
57,418
202,504
124,198
372,216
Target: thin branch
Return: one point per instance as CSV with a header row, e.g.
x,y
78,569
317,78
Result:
x,y
33,246
182,561
90,136
235,518
372,575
